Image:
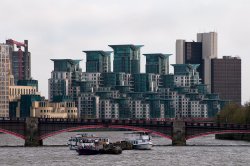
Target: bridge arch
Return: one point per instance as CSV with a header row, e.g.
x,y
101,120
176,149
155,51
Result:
x,y
12,133
216,132
102,126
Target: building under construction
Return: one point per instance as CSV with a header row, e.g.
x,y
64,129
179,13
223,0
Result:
x,y
20,60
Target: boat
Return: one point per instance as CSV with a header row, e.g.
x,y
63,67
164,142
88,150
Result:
x,y
74,141
139,140
90,145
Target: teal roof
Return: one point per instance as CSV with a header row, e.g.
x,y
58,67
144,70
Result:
x,y
192,66
104,53
158,54
132,46
73,61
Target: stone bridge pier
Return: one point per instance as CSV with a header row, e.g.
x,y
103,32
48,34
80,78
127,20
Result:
x,y
32,136
179,133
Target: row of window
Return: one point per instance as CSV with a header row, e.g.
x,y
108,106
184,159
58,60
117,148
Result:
x,y
48,111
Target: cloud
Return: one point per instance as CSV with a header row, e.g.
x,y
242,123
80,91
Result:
x,y
63,28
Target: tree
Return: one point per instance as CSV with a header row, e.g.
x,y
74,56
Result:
x,y
247,112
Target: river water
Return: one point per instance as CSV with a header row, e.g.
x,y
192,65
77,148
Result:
x,y
200,151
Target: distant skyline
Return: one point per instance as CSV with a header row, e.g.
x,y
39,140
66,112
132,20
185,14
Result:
x,y
64,28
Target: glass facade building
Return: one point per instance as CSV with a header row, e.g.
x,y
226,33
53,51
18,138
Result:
x,y
98,61
33,83
127,93
157,63
126,58
26,104
146,82
193,55
65,74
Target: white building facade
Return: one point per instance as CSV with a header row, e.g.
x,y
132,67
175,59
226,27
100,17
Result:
x,y
209,51
5,73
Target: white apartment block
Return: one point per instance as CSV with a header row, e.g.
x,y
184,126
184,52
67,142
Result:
x,y
140,110
5,73
186,80
124,79
154,82
162,111
198,110
59,84
108,109
94,78
88,106
184,107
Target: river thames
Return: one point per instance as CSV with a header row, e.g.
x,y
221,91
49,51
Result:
x,y
200,151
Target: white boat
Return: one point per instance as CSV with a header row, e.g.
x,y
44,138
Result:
x,y
73,142
139,140
78,140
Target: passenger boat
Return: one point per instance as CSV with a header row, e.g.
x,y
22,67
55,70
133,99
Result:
x,y
74,141
139,140
89,145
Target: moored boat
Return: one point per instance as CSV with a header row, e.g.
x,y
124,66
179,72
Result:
x,y
140,140
74,141
89,145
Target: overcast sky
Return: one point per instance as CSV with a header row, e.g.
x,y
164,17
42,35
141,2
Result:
x,y
63,28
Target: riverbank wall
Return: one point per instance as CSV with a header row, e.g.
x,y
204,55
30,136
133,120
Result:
x,y
238,136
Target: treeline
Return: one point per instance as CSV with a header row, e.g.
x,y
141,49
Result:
x,y
234,113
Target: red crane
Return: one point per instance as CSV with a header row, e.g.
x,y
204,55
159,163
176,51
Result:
x,y
13,42
20,55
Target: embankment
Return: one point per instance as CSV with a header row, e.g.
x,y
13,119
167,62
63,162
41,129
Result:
x,y
238,136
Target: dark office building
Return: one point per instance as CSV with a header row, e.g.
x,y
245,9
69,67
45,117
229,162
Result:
x,y
226,78
20,60
98,61
126,58
190,53
193,55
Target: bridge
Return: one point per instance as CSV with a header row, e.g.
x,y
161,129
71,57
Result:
x,y
34,130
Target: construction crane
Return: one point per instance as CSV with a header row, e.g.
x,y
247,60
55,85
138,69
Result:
x,y
20,55
13,42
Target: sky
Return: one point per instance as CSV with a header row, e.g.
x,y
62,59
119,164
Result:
x,y
64,28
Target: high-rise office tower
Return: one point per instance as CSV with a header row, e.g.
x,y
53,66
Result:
x,y
20,60
190,53
5,73
200,52
209,51
65,73
157,63
180,51
98,61
226,78
126,58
